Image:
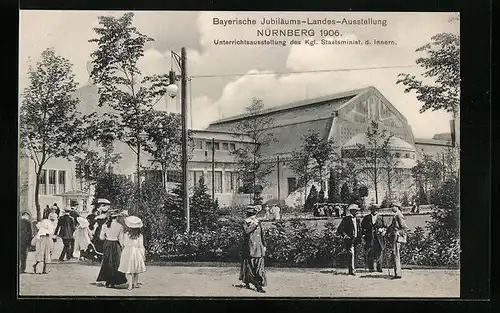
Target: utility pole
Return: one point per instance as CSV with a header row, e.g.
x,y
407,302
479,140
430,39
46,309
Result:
x,y
185,194
213,169
278,169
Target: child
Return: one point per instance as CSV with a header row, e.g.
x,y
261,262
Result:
x,y
82,236
43,244
133,253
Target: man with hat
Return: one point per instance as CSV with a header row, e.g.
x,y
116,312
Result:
x,y
65,229
348,228
26,235
397,235
372,232
254,249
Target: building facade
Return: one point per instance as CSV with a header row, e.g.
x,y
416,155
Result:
x,y
342,117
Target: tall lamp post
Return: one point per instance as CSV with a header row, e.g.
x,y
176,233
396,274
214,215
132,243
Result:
x,y
172,92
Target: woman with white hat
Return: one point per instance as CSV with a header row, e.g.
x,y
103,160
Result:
x,y
43,244
133,254
82,236
111,253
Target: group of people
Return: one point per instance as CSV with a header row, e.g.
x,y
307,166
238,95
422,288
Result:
x,y
376,236
271,213
108,236
372,230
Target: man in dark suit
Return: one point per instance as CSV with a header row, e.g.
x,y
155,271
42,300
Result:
x,y
372,232
348,228
65,228
26,234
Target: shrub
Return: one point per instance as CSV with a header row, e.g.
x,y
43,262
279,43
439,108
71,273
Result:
x,y
311,199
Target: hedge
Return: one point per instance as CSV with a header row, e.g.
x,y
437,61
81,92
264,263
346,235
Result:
x,y
292,243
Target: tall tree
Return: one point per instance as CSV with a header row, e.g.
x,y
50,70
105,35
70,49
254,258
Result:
x,y
392,173
442,71
321,150
372,156
333,187
301,166
50,125
254,166
122,87
91,165
427,174
164,142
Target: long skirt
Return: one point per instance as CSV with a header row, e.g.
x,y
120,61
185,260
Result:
x,y
110,261
252,271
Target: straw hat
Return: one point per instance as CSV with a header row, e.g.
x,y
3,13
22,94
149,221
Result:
x,y
353,207
103,201
133,222
82,222
252,210
396,204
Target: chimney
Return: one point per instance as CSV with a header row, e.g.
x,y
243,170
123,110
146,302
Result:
x,y
452,132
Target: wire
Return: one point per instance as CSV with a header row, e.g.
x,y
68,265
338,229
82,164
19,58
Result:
x,y
304,72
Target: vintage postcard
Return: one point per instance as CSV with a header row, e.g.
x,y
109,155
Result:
x,y
239,154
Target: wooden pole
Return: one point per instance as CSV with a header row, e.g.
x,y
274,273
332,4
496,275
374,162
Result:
x,y
213,169
185,194
278,169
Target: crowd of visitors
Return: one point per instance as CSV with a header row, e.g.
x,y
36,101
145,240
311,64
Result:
x,y
107,236
114,239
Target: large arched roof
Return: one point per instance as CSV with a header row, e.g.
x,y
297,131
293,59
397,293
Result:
x,y
396,143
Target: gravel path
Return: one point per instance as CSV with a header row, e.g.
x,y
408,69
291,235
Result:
x,y
74,278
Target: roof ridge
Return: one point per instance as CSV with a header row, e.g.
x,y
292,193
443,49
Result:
x,y
298,104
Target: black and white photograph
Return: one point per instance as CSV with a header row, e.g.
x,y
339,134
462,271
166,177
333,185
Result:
x,y
239,154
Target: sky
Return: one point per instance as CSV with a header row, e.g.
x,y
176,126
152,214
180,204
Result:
x,y
212,98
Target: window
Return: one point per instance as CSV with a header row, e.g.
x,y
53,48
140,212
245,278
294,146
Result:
x,y
232,147
231,182
398,155
62,182
225,146
52,182
217,146
209,145
174,177
43,182
197,176
110,169
218,181
199,144
407,155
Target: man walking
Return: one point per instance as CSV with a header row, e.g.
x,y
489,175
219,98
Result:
x,y
397,235
348,228
372,232
26,235
65,228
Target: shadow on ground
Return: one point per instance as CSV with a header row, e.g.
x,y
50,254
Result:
x,y
379,276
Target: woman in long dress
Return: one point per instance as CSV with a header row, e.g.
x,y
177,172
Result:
x,y
254,249
110,233
43,244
